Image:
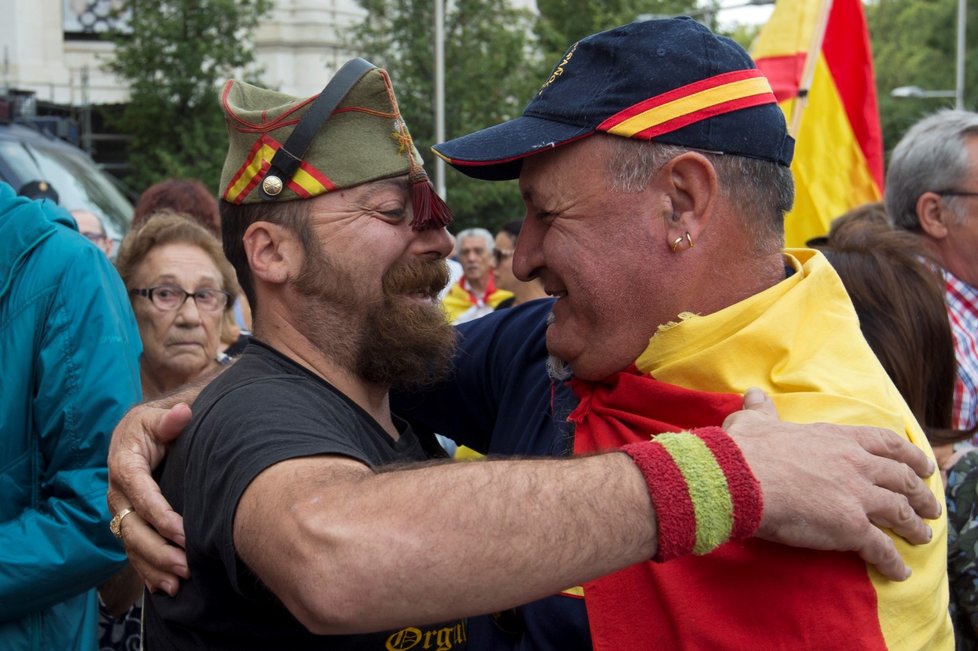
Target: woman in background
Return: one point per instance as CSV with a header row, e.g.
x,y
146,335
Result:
x,y
898,294
190,197
181,287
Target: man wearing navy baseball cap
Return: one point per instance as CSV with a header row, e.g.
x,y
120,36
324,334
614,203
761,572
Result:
x,y
653,164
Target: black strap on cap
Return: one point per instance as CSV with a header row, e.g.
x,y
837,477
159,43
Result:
x,y
286,160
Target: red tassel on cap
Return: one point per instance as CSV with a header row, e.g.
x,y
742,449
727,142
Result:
x,y
430,210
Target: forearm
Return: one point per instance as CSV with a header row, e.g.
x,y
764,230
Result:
x,y
121,591
368,552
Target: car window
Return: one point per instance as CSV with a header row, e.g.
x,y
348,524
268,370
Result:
x,y
79,183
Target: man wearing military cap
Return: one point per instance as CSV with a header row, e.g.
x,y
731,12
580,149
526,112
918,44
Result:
x,y
291,529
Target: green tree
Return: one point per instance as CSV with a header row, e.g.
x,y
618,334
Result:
x,y
491,70
563,22
914,45
174,55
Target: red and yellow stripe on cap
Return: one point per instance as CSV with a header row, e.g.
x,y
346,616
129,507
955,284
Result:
x,y
307,181
675,109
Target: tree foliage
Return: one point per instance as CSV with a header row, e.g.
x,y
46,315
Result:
x,y
563,22
174,56
490,71
496,57
914,44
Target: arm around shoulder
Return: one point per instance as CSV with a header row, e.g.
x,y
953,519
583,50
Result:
x,y
349,550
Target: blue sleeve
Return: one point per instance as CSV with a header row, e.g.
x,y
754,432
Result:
x,y
85,377
499,364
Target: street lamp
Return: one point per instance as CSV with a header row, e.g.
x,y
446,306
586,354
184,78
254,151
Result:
x,y
958,92
706,14
917,91
440,94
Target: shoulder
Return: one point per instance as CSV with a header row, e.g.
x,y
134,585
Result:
x,y
511,322
266,405
512,334
38,239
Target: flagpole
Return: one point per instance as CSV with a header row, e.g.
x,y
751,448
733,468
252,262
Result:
x,y
808,73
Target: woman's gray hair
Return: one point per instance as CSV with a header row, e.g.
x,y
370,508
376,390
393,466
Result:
x,y
931,157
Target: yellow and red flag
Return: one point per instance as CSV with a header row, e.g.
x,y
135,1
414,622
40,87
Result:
x,y
817,57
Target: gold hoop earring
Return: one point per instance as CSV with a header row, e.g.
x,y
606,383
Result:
x,y
679,240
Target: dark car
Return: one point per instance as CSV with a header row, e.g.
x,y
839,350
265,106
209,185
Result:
x,y
27,154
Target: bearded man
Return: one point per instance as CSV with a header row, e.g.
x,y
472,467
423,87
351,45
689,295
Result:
x,y
334,329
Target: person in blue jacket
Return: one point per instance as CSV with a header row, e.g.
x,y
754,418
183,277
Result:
x,y
69,354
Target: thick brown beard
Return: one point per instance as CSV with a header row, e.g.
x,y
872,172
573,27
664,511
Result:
x,y
403,344
388,341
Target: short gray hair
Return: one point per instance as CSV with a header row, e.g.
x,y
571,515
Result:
x,y
475,232
930,157
761,191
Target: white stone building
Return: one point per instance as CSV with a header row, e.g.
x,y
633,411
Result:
x,y
48,46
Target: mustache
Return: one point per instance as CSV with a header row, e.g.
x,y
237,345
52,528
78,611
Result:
x,y
427,277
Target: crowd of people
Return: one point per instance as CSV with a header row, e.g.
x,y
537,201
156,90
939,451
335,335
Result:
x,y
689,436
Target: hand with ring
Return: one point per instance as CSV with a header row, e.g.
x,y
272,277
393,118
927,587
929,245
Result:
x,y
115,524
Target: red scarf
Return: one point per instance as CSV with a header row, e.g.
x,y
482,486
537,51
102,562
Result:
x,y
475,300
717,600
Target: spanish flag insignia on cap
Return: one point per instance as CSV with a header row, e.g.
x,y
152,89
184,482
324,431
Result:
x,y
284,148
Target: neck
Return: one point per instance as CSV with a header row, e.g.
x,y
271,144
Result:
x,y
524,292
158,385
478,285
742,275
275,325
950,258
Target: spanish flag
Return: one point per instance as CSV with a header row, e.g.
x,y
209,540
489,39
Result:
x,y
800,342
817,57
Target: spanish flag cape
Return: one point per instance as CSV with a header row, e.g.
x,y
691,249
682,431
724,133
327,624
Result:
x,y
799,341
460,299
816,54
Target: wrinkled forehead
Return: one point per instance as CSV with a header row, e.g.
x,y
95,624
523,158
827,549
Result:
x,y
473,244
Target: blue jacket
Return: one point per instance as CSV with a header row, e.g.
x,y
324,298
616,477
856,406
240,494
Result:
x,y
69,369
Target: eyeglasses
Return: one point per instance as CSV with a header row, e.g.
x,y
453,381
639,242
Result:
x,y
502,254
94,237
169,297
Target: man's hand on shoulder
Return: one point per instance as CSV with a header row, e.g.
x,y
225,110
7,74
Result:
x,y
826,486
138,445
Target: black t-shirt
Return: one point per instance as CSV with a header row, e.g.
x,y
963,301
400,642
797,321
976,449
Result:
x,y
500,400
263,410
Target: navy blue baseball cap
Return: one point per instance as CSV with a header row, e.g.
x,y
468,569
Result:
x,y
671,81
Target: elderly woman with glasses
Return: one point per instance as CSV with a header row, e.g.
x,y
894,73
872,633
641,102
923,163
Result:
x,y
180,285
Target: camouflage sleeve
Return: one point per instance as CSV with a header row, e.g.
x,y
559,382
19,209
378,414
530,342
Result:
x,y
962,550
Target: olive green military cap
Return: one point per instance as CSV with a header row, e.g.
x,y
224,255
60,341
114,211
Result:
x,y
361,139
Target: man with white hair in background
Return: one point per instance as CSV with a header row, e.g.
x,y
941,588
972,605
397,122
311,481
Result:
x,y
91,227
932,190
475,294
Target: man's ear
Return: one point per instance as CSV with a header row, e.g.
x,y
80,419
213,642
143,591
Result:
x,y
273,253
933,215
691,184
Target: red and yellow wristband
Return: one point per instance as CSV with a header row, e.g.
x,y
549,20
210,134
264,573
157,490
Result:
x,y
702,489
